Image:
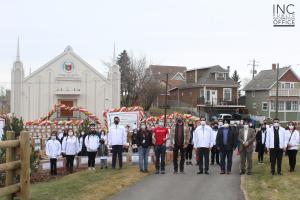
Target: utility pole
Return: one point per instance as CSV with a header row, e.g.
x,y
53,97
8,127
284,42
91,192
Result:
x,y
166,100
277,87
254,64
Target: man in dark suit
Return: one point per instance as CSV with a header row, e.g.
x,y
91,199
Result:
x,y
226,143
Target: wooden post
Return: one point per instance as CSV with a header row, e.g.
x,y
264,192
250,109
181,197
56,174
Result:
x,y
10,156
25,165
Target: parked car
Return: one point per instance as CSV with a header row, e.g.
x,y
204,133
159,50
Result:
x,y
234,118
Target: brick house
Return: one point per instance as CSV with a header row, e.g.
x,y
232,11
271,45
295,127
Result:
x,y
176,77
210,89
261,94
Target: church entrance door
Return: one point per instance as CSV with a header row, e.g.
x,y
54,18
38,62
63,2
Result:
x,y
66,113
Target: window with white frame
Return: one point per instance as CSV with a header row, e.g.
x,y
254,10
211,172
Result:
x,y
272,105
264,106
288,105
280,105
220,76
253,93
287,85
295,106
254,105
227,94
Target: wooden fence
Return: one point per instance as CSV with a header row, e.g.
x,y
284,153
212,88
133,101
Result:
x,y
13,167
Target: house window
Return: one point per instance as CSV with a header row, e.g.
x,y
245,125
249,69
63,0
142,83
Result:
x,y
286,85
220,76
272,105
208,95
288,105
294,105
280,105
254,105
264,106
227,94
253,93
201,93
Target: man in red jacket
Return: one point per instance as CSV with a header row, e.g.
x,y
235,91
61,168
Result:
x,y
160,137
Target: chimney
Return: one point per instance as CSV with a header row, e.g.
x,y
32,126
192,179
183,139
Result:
x,y
273,66
228,69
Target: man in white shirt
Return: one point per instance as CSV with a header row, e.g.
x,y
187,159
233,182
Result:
x,y
276,145
203,141
117,138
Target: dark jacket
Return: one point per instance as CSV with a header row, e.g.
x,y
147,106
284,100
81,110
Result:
x,y
231,139
141,137
260,145
103,150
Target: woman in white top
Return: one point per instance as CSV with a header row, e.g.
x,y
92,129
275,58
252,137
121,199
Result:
x,y
53,150
292,143
70,147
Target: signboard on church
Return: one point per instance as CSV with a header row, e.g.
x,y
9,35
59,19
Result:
x,y
126,118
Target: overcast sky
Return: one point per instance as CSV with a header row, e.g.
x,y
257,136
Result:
x,y
170,32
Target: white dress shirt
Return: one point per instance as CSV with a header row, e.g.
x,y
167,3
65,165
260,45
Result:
x,y
203,137
117,135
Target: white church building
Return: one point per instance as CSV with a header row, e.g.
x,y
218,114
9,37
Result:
x,y
66,79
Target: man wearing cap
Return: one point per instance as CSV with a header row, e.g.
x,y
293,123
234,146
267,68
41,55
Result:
x,y
203,141
226,143
179,141
117,138
246,138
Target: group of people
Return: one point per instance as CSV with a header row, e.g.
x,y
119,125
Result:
x,y
68,145
220,139
214,142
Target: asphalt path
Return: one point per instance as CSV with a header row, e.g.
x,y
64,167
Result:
x,y
187,186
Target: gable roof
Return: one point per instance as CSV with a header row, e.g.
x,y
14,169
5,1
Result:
x,y
265,79
159,71
68,50
178,74
207,78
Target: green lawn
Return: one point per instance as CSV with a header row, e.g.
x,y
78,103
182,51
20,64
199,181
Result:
x,y
87,185
263,186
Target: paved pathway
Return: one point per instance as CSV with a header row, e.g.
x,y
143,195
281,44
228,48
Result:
x,y
187,186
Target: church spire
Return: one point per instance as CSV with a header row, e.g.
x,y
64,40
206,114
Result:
x,y
18,51
114,54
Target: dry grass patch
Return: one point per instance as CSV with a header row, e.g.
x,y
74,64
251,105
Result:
x,y
263,186
88,185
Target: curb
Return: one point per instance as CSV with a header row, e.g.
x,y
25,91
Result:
x,y
243,189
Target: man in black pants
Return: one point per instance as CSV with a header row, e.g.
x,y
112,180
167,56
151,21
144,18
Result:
x,y
203,142
226,143
117,138
214,150
276,145
179,141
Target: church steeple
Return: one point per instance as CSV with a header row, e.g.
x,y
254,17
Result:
x,y
18,51
17,77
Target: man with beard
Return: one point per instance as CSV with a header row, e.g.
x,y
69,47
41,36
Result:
x,y
117,138
179,141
